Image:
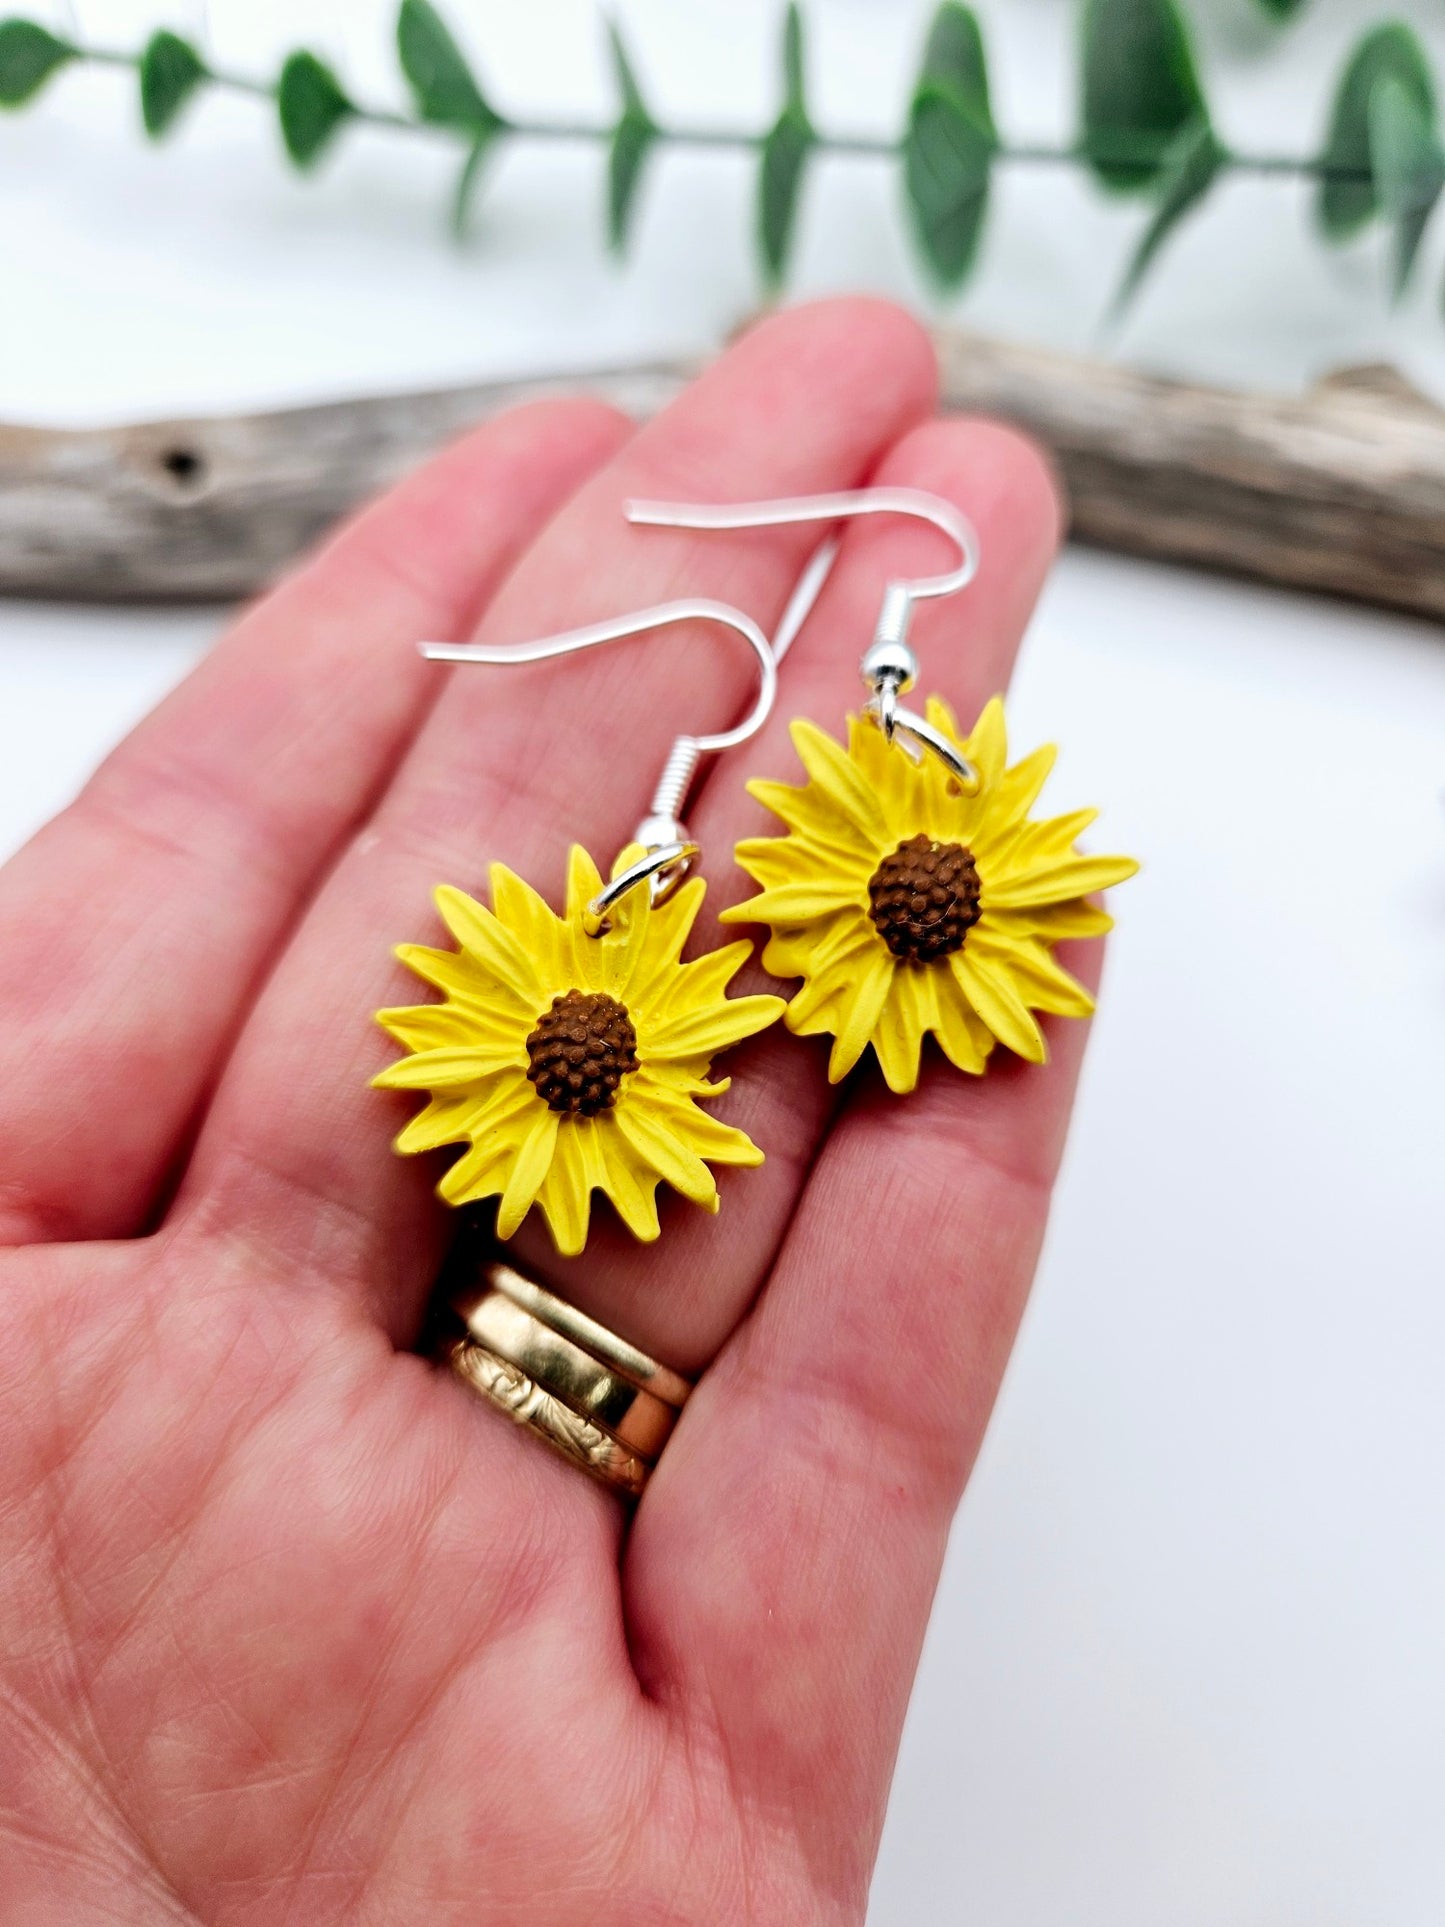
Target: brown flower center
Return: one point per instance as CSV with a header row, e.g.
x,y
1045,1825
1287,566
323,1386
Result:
x,y
580,1052
925,898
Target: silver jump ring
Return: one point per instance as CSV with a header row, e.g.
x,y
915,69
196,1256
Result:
x,y
662,869
895,722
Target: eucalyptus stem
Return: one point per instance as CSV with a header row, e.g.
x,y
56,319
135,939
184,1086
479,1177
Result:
x,y
742,141
1144,126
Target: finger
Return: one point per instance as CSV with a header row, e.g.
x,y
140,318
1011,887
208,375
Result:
x,y
683,1296
753,1607
515,764
137,922
781,1575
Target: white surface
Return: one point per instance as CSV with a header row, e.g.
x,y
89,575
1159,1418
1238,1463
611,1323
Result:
x,y
1186,1665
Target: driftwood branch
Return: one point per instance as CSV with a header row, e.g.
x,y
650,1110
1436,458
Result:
x,y
1341,489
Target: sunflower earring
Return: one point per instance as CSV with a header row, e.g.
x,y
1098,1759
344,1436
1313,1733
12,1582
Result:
x,y
912,891
568,1053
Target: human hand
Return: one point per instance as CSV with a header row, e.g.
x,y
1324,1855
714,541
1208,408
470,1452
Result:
x,y
292,1628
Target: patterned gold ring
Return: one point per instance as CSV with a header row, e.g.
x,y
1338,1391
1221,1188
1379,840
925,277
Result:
x,y
598,1400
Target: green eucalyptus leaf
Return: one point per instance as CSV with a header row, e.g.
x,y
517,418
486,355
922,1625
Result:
x,y
170,72
29,55
632,138
468,181
954,62
441,81
785,152
949,147
1140,90
312,104
947,157
784,156
1408,167
793,57
1346,205
1280,9
1190,171
628,90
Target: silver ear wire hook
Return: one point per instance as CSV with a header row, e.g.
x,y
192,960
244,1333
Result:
x,y
668,851
889,667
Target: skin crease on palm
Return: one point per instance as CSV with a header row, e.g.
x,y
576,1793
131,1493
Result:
x,y
292,1629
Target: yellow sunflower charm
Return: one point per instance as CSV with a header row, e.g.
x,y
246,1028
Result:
x,y
910,903
568,1061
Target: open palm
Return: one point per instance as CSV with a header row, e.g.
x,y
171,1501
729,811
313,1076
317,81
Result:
x,y
292,1629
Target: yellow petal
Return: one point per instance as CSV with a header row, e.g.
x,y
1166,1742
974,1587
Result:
x,y
631,1185
704,981
1018,788
987,747
898,1034
810,1001
822,896
1042,983
462,978
830,977
708,1137
487,939
1049,841
584,880
588,1133
939,711
649,975
506,1097
620,953
438,1070
800,950
443,1121
1057,882
528,916
812,814
651,1137
898,782
773,860
496,1128
428,1026
1051,922
959,1038
477,1174
534,1157
839,778
565,1196
674,1081
714,1027
999,1005
671,923
860,1013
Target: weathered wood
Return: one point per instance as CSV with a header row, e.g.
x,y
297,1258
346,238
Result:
x,y
214,507
1341,489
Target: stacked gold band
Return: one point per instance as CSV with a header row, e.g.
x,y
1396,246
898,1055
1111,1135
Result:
x,y
602,1403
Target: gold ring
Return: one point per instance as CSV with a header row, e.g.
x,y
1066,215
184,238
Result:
x,y
598,1400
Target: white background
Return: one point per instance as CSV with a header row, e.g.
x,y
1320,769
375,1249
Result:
x,y
1187,1664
